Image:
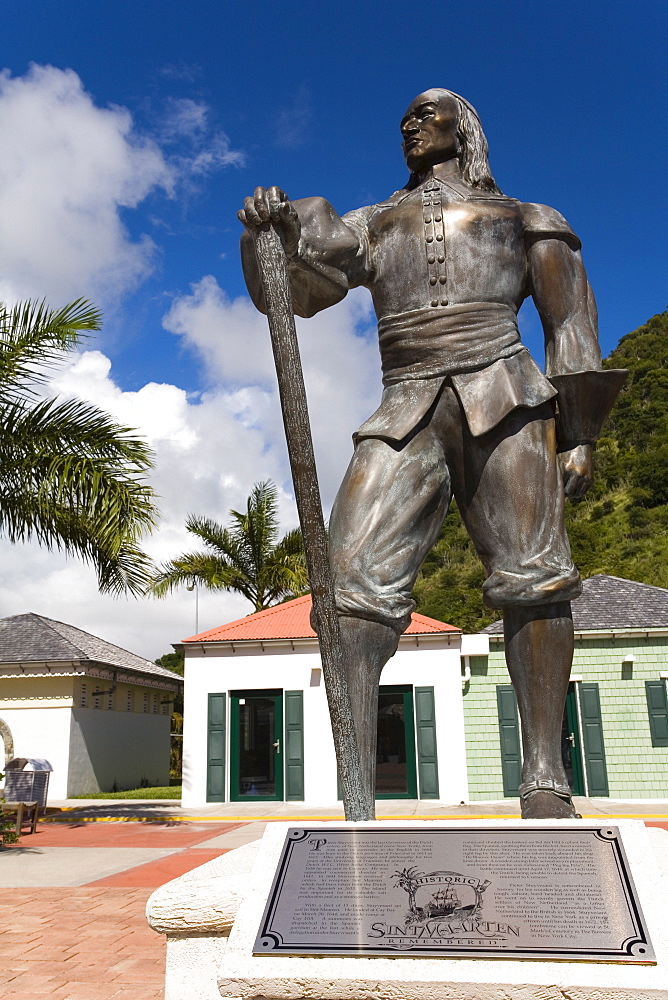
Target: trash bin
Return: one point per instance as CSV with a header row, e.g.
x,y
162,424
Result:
x,y
27,780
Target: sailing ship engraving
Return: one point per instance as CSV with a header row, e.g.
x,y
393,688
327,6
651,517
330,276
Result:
x,y
446,900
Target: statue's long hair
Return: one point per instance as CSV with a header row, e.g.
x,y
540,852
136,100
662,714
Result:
x,y
474,151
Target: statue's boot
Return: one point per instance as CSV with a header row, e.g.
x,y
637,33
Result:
x,y
367,646
539,654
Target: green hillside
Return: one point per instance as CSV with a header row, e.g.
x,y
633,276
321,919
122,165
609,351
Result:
x,y
621,527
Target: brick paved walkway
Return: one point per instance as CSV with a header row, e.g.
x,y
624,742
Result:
x,y
79,944
92,942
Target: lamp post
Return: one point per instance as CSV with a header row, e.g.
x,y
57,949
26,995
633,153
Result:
x,y
194,586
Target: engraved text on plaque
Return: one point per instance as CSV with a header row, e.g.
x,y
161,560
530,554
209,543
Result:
x,y
550,893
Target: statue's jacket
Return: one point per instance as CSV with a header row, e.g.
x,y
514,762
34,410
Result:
x,y
448,269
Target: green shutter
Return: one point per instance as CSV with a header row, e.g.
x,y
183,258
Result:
x,y
509,739
294,746
657,706
425,723
215,770
592,737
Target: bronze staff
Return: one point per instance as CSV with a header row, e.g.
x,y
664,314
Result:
x,y
275,282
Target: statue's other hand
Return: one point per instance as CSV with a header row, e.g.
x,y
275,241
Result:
x,y
576,470
272,205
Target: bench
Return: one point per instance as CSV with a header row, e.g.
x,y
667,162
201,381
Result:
x,y
27,813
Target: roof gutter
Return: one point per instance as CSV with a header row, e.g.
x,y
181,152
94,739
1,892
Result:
x,y
613,633
211,646
90,668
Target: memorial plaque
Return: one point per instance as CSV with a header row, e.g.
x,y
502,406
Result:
x,y
542,893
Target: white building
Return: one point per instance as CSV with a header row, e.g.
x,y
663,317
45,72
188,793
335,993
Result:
x,y
256,724
99,714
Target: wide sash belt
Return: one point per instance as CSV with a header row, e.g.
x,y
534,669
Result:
x,y
425,343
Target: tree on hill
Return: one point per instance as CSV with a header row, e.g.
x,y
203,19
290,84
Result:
x,y
620,527
173,661
246,557
71,478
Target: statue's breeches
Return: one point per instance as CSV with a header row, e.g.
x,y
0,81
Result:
x,y
393,500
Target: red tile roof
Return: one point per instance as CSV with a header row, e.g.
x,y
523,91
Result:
x,y
291,621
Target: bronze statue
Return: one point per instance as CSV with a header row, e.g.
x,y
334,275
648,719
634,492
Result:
x,y
465,411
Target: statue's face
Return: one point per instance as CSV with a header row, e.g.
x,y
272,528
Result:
x,y
429,128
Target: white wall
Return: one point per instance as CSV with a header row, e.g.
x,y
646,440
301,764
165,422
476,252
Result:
x,y
43,732
426,662
277,667
122,747
434,665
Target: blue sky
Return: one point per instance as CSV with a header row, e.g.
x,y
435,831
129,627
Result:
x,y
126,173
572,97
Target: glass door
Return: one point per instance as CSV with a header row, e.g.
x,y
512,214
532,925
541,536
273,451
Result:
x,y
395,753
256,745
571,744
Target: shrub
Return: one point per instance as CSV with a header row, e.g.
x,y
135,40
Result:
x,y
7,833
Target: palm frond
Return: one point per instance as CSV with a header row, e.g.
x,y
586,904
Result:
x,y
257,528
285,574
209,571
72,453
120,564
71,478
244,556
292,543
33,338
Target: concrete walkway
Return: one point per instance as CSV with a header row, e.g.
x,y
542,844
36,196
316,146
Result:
x,y
72,896
230,812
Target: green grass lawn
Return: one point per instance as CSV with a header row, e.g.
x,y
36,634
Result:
x,y
168,792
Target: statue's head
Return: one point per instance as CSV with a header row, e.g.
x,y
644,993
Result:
x,y
440,125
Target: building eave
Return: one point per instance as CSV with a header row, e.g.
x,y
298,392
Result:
x,y
88,668
211,647
600,633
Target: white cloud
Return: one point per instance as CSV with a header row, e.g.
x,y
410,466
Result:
x,y
184,117
67,168
182,71
206,462
292,123
341,367
210,449
188,123
230,335
207,455
66,590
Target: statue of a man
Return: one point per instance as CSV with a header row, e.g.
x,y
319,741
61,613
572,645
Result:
x,y
449,260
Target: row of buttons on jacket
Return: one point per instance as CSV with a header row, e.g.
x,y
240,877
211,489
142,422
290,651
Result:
x,y
432,218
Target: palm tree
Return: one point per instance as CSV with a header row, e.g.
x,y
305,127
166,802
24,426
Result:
x,y
70,477
246,556
407,879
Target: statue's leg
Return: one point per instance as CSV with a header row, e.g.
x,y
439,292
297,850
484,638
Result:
x,y
510,494
387,515
539,653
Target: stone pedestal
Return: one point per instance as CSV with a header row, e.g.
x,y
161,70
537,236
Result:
x,y
196,912
192,953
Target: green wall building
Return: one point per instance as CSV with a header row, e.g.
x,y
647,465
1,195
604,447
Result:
x,y
615,729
